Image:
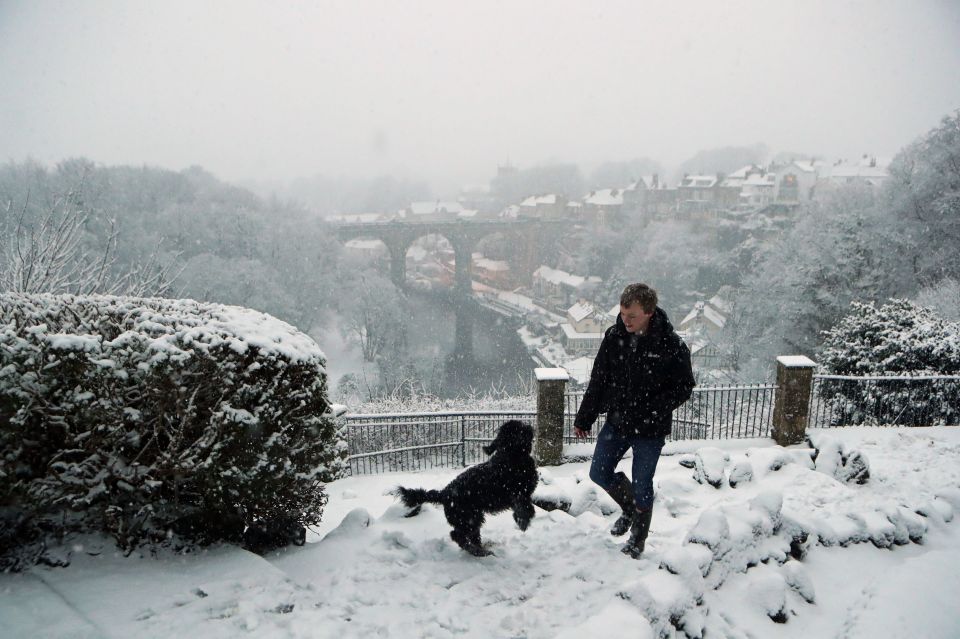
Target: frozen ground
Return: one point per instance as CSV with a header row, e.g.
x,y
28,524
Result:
x,y
878,559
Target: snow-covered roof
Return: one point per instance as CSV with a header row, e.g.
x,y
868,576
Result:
x,y
699,181
518,300
430,208
758,180
580,311
467,213
534,200
709,313
491,265
605,197
650,182
841,171
694,341
358,218
714,316
807,166
557,276
721,301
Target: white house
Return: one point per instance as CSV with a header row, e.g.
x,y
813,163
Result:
x,y
867,172
797,181
703,319
560,288
550,206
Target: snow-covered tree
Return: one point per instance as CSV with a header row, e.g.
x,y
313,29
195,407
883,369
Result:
x,y
372,313
49,254
802,283
923,193
942,298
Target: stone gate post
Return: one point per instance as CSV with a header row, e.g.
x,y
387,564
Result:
x,y
551,385
791,408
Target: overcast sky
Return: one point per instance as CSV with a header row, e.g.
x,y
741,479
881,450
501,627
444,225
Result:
x,y
444,91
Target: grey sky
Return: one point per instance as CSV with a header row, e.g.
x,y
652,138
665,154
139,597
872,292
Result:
x,y
444,91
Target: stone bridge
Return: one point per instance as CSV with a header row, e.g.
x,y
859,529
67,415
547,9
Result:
x,y
463,236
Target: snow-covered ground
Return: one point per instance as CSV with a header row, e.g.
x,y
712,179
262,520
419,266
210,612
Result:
x,y
879,559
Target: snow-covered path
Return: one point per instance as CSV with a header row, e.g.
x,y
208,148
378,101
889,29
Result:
x,y
718,559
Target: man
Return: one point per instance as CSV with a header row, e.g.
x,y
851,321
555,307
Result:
x,y
642,373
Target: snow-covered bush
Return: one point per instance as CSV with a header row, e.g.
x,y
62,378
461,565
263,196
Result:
x,y
140,416
896,339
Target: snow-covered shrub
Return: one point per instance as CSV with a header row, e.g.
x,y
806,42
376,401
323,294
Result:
x,y
140,416
896,339
835,459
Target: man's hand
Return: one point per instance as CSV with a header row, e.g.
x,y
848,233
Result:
x,y
579,433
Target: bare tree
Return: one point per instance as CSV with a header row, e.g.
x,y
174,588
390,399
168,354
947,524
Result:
x,y
373,314
47,255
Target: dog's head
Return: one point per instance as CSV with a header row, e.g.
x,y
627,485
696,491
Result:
x,y
514,436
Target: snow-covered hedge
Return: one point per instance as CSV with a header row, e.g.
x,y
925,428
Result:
x,y
897,340
144,416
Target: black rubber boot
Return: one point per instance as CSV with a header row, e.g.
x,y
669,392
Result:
x,y
638,534
622,493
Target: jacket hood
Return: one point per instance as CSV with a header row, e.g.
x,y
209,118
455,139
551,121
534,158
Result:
x,y
659,324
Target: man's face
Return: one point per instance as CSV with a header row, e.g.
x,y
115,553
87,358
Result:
x,y
635,318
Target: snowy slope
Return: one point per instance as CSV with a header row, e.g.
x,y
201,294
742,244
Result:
x,y
718,559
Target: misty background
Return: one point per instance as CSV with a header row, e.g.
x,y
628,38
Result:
x,y
214,141
441,93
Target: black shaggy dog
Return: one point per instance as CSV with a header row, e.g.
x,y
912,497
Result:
x,y
506,480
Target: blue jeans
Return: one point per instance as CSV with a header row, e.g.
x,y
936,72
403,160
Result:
x,y
611,448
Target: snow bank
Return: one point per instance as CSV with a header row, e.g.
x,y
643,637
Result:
x,y
791,553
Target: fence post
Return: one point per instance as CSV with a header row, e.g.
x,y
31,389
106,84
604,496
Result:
x,y
463,441
792,405
551,385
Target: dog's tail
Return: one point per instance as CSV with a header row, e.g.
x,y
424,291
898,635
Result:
x,y
414,497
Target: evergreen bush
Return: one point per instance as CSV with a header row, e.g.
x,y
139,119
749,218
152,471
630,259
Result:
x,y
897,340
144,417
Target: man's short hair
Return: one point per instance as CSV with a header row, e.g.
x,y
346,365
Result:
x,y
640,294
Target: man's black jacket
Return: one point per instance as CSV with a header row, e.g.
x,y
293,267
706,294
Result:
x,y
638,380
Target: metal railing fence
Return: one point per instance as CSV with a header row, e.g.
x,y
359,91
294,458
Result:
x,y
394,442
922,400
712,412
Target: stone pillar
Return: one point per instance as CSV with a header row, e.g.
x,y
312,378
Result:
x,y
551,405
792,406
398,263
463,256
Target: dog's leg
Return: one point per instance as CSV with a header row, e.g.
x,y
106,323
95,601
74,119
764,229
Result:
x,y
466,533
523,512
